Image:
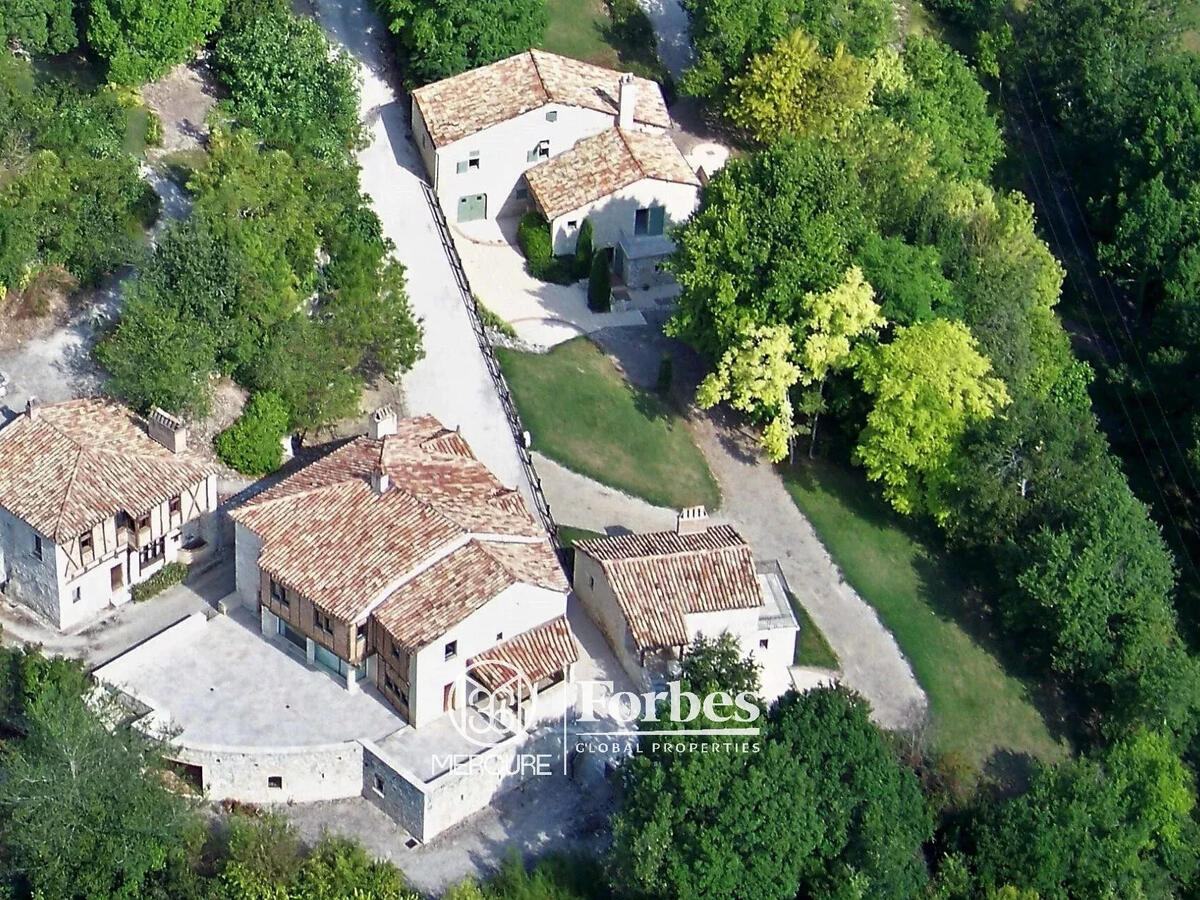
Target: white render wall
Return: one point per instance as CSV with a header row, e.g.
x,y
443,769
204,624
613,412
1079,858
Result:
x,y
502,155
511,612
31,581
613,215
247,578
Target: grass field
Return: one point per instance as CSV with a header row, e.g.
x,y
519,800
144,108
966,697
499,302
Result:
x,y
582,413
977,706
584,29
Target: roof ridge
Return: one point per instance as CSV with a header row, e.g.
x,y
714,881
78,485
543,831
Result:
x,y
632,155
537,70
67,493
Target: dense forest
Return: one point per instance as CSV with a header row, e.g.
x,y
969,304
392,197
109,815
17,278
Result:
x,y
866,281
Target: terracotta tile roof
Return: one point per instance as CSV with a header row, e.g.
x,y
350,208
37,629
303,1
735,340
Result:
x,y
659,578
77,463
429,604
601,165
328,535
465,104
536,654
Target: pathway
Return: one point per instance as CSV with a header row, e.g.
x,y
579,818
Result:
x,y
583,503
671,29
452,381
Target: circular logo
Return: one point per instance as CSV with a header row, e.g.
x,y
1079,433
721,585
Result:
x,y
492,702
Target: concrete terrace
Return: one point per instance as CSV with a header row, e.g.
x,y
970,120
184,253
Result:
x,y
222,684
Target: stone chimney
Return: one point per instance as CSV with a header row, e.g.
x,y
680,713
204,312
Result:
x,y
32,405
626,101
382,423
692,520
167,429
380,482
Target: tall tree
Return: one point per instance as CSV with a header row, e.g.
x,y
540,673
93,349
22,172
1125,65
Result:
x,y
440,38
926,388
139,40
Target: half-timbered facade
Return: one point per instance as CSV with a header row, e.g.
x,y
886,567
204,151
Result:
x,y
93,500
398,559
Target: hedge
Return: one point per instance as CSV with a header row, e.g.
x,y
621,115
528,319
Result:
x,y
171,573
252,443
533,236
600,284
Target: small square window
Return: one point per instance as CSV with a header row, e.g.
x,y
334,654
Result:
x,y
377,784
175,505
552,115
76,594
763,643
591,581
451,649
37,546
521,193
85,542
275,781
473,163
572,223
142,522
362,632
461,166
395,652
499,635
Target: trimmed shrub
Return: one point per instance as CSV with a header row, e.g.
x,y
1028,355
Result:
x,y
533,237
171,573
666,374
492,320
600,284
252,443
584,249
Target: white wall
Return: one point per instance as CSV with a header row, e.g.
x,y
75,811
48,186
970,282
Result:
x,y
511,612
502,156
614,214
247,578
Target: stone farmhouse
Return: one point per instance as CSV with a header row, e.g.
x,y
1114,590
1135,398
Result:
x,y
94,500
652,594
573,140
401,560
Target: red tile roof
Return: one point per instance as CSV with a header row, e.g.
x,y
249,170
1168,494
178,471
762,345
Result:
x,y
77,463
536,654
429,604
601,165
465,104
328,535
659,578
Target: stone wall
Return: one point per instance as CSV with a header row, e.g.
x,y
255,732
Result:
x,y
278,775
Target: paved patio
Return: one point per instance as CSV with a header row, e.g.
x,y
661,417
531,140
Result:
x,y
223,684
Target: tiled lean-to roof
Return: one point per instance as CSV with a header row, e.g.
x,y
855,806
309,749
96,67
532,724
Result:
x,y
465,104
660,577
74,464
603,164
443,534
536,654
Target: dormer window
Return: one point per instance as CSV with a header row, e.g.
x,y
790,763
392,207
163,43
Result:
x,y
541,151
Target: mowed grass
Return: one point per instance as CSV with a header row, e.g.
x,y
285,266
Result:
x,y
811,647
582,413
978,708
577,29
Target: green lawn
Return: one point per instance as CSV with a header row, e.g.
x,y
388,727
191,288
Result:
x,y
582,413
584,29
977,706
811,648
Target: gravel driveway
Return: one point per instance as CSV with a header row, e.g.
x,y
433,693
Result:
x,y
452,381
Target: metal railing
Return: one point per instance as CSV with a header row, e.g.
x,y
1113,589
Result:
x,y
541,505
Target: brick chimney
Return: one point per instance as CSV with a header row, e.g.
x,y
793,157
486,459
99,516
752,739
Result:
x,y
382,423
626,101
167,429
32,405
692,520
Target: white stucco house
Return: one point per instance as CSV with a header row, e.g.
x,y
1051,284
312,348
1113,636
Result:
x,y
633,186
400,560
478,132
653,594
93,500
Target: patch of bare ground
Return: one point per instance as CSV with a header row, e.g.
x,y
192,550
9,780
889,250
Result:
x,y
44,305
226,400
182,100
